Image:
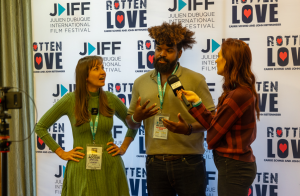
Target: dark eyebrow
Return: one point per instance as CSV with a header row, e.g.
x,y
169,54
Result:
x,y
167,48
170,45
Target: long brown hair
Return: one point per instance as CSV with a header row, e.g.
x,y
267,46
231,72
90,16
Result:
x,y
237,70
82,94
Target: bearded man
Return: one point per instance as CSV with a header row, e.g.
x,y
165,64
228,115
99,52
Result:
x,y
174,162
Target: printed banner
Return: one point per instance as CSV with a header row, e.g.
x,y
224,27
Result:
x,y
65,31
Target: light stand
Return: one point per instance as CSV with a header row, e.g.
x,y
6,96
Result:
x,y
7,101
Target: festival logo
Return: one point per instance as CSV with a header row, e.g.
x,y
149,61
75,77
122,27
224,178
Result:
x,y
137,175
146,50
268,92
57,132
122,90
211,188
283,144
265,184
193,14
126,16
61,90
59,182
47,57
110,50
283,53
70,17
254,13
61,171
211,86
137,180
208,60
210,53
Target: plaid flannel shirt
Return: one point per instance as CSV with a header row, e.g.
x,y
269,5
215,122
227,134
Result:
x,y
232,129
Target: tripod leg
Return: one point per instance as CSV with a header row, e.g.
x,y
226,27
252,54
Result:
x,y
4,173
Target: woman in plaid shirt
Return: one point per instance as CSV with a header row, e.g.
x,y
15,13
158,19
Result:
x,y
232,129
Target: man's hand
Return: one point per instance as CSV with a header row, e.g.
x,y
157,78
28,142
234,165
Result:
x,y
180,127
141,112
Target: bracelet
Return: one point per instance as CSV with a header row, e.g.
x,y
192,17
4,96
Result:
x,y
134,120
197,103
190,130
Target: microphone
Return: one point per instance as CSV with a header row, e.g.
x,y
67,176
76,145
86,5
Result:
x,y
175,85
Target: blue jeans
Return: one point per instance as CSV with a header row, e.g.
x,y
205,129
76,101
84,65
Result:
x,y
185,176
234,177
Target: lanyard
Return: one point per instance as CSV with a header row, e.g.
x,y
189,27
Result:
x,y
162,93
94,128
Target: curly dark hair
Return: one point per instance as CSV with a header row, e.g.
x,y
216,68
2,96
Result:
x,y
173,33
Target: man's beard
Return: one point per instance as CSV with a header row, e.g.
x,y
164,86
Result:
x,y
164,68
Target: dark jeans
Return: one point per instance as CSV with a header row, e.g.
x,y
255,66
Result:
x,y
185,176
234,177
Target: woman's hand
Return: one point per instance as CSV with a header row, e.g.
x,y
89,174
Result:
x,y
71,155
115,148
189,95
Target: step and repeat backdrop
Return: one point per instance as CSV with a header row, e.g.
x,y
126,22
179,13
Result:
x,y
65,31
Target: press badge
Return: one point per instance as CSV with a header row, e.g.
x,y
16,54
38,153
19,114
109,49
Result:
x,y
159,130
94,156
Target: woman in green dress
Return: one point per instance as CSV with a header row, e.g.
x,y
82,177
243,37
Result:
x,y
86,106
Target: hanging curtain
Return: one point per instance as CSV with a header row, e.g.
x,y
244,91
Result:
x,y
16,71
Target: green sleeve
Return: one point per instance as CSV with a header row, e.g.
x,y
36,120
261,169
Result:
x,y
121,113
50,117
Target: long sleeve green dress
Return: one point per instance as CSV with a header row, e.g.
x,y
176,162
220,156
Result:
x,y
111,179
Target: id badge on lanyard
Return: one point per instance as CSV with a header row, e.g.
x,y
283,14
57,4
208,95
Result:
x,y
94,151
94,156
159,130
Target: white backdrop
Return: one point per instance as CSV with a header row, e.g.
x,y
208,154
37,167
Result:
x,y
65,31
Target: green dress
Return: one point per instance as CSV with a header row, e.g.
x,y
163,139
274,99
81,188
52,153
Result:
x,y
111,179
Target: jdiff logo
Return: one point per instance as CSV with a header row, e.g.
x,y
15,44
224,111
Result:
x,y
215,45
61,171
100,48
191,4
63,90
59,9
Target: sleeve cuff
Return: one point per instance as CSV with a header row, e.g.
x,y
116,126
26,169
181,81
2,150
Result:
x,y
197,103
49,141
131,133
